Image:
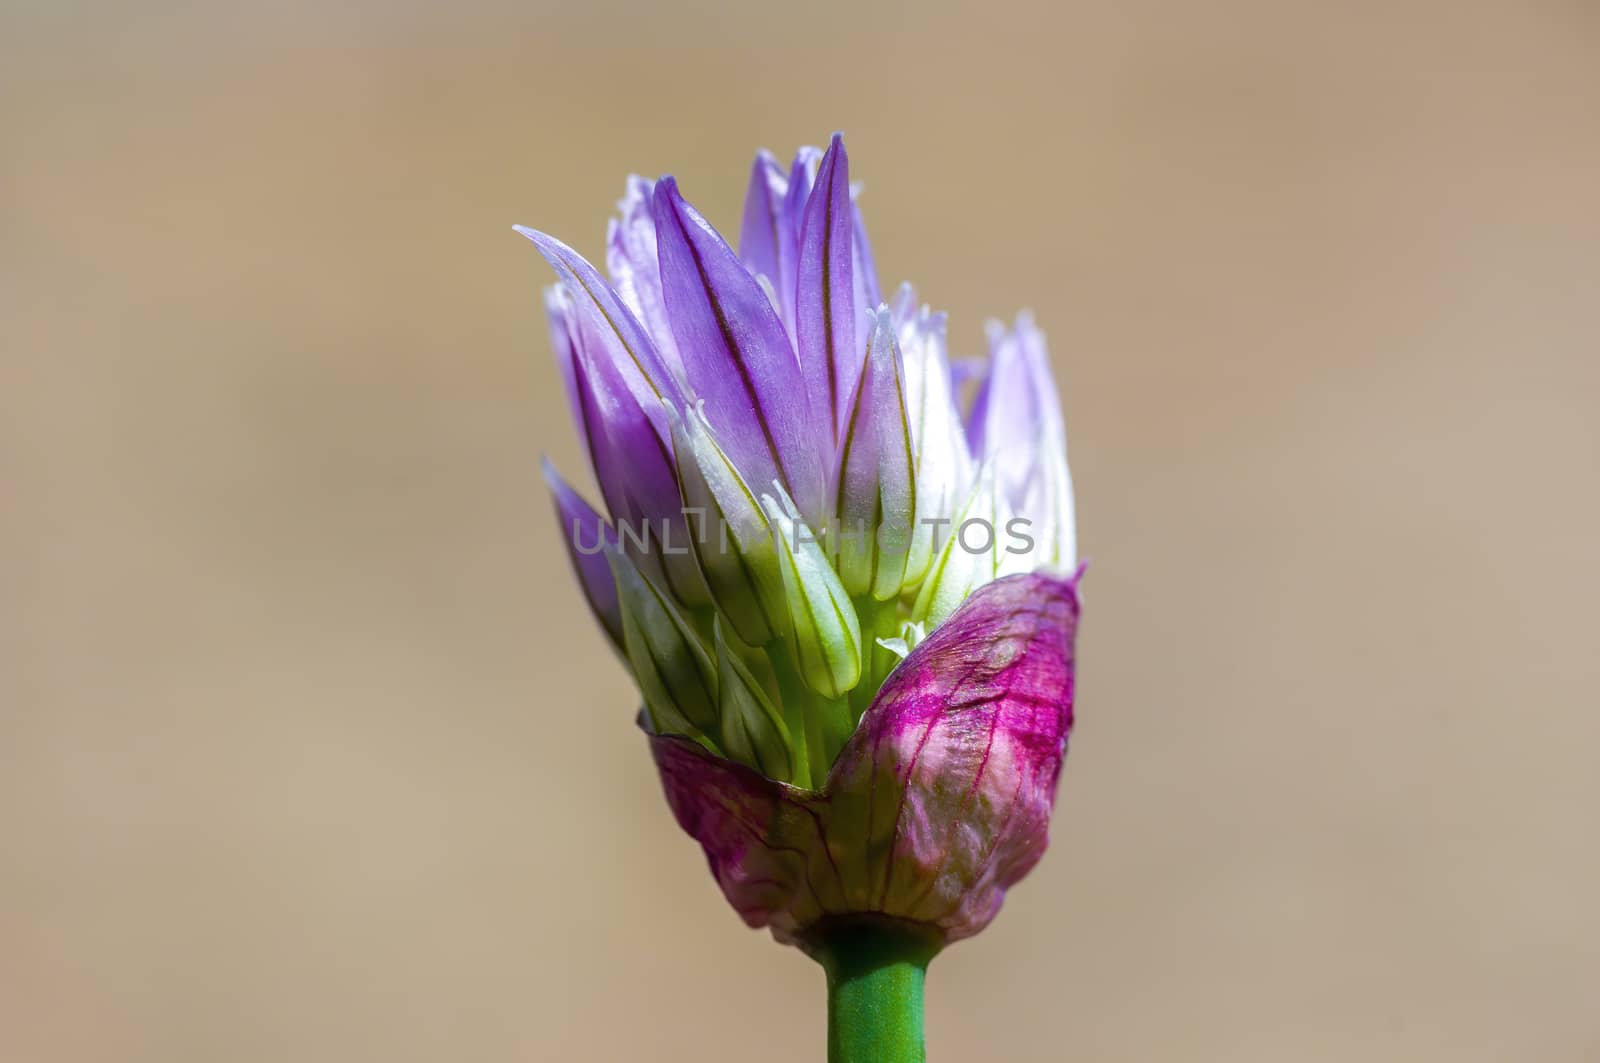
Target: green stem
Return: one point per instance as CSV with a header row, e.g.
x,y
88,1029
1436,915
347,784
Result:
x,y
875,977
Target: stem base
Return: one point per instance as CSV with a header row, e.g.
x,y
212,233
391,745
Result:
x,y
876,968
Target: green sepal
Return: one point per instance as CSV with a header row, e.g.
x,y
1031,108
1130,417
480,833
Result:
x,y
729,531
752,728
824,632
674,671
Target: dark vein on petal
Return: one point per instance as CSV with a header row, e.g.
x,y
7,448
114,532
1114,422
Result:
x,y
731,343
827,305
600,306
733,813
822,837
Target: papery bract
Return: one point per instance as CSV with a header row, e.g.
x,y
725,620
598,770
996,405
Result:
x,y
941,799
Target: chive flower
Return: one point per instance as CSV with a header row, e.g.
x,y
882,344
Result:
x,y
840,567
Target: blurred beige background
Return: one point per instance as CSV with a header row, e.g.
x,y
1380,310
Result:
x,y
308,751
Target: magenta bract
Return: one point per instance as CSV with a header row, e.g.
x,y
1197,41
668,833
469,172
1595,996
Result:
x,y
939,802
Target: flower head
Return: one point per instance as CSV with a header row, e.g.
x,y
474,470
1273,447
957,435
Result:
x,y
847,597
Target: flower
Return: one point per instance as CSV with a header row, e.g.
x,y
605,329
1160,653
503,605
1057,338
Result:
x,y
848,606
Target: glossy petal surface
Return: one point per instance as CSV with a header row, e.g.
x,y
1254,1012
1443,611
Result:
x,y
737,357
827,312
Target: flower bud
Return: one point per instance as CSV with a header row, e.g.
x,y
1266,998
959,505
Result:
x,y
842,601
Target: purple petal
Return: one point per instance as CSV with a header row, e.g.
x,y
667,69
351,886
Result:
x,y
634,466
597,309
564,342
631,261
874,492
868,294
968,371
802,175
597,396
939,802
944,472
618,385
904,306
826,295
1016,408
737,356
586,534
1036,356
768,244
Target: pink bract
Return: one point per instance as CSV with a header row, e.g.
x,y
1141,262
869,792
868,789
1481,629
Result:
x,y
939,802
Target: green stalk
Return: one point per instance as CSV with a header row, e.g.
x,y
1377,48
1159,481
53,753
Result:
x,y
875,974
879,620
